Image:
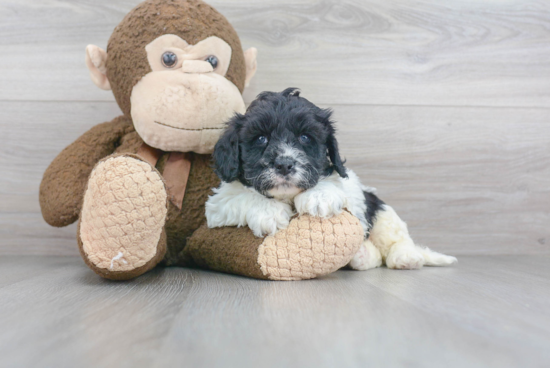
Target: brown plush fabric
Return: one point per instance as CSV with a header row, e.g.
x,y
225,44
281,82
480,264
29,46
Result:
x,y
64,181
192,20
227,249
181,224
129,143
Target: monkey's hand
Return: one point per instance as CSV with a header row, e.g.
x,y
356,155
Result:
x,y
324,200
234,205
64,182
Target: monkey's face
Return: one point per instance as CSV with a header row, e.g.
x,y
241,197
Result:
x,y
177,69
182,104
178,95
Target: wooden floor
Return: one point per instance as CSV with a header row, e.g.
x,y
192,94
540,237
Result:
x,y
487,311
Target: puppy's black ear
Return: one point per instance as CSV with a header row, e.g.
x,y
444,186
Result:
x,y
334,156
324,115
226,151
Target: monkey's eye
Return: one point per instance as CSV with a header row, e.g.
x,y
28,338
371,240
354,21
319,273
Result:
x,y
305,139
262,140
169,59
213,61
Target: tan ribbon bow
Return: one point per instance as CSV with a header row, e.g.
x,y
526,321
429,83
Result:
x,y
176,171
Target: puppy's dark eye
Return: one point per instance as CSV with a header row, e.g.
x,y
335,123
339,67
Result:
x,y
262,140
169,59
305,139
213,61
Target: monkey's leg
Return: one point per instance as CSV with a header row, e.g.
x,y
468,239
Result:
x,y
309,247
121,229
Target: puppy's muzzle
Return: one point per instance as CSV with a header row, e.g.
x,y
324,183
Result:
x,y
284,165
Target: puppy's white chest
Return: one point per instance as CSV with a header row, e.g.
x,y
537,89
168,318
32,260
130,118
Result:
x,y
285,194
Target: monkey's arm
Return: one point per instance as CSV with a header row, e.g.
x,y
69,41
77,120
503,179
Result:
x,y
64,181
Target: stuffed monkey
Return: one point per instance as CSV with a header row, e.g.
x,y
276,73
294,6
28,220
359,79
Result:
x,y
138,184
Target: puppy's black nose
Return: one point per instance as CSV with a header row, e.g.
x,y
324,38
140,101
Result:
x,y
283,165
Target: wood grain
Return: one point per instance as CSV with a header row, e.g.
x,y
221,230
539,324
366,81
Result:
x,y
483,312
481,53
35,132
466,180
441,106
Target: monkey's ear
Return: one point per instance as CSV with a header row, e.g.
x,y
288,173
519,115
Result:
x,y
95,61
251,64
226,151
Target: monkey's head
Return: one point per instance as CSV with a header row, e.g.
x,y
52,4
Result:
x,y
177,69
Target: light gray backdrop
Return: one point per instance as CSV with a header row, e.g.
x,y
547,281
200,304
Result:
x,y
443,106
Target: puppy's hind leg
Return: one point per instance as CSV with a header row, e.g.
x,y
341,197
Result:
x,y
367,257
436,259
391,236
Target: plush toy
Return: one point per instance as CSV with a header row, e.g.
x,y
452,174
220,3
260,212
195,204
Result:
x,y
138,184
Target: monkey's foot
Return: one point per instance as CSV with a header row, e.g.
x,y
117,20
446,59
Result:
x,y
309,247
121,229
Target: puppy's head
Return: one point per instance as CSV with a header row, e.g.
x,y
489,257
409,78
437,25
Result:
x,y
281,146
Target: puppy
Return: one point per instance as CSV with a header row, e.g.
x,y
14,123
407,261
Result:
x,y
280,158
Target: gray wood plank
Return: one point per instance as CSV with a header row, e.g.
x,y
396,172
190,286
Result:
x,y
482,53
486,311
35,133
21,268
467,180
476,298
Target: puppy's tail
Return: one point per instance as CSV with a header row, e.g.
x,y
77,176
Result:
x,y
434,258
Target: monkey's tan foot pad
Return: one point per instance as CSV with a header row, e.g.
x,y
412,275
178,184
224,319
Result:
x,y
121,229
310,247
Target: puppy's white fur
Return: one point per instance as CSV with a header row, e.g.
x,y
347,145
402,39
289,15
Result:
x,y
331,195
233,204
389,241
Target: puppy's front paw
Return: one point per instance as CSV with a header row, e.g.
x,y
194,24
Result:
x,y
267,220
320,203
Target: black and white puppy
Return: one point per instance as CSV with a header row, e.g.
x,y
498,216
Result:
x,y
281,157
